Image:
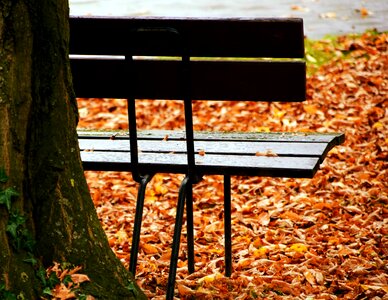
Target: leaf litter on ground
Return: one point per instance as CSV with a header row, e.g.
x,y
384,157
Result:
x,y
320,238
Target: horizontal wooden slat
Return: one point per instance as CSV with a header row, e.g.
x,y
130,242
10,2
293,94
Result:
x,y
238,37
300,167
208,80
209,147
299,137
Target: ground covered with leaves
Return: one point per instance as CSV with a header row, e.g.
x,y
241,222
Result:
x,y
320,238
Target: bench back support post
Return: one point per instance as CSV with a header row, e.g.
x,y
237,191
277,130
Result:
x,y
131,107
185,84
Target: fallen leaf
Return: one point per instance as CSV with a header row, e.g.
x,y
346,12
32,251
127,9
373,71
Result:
x,y
79,278
328,15
149,249
298,247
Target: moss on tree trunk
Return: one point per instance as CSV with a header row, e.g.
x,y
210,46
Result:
x,y
39,151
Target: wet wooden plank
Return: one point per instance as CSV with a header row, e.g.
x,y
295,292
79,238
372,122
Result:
x,y
208,80
211,37
300,137
296,167
210,147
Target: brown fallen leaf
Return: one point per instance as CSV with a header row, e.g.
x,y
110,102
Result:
x,y
342,210
79,278
268,153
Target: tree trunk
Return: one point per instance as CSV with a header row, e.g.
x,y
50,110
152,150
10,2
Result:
x,y
39,153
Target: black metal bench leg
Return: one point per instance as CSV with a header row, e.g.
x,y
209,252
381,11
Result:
x,y
137,224
176,240
190,228
227,226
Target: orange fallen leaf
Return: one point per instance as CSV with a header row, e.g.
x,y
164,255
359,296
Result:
x,y
61,292
342,206
290,215
364,12
184,290
310,108
257,243
268,153
79,278
149,249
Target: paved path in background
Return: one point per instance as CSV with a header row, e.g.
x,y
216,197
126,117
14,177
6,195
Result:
x,y
321,17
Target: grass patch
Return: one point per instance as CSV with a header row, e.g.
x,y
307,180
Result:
x,y
320,52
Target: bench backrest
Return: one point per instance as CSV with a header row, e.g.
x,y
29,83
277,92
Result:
x,y
256,77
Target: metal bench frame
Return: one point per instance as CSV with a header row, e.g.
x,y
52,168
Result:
x,y
176,37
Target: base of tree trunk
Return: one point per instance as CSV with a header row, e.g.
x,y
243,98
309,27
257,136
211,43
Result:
x,y
50,216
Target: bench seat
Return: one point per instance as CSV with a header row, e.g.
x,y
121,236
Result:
x,y
255,154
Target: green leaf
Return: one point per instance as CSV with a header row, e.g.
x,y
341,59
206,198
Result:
x,y
3,176
28,241
66,265
47,291
12,229
67,280
41,274
17,218
9,296
14,223
32,260
6,197
132,288
6,295
53,280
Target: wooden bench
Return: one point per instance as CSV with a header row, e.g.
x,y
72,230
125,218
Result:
x,y
136,58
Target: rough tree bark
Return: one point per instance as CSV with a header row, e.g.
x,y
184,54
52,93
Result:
x,y
39,153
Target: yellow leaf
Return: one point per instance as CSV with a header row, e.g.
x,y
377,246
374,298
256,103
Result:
x,y
375,287
210,278
263,129
257,243
298,247
160,189
378,125
122,236
311,58
278,113
262,251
